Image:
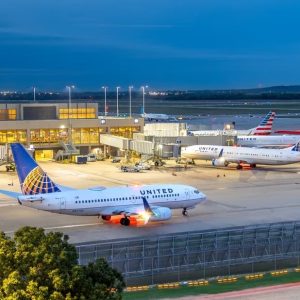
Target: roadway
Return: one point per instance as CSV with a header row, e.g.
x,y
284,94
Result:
x,y
288,291
235,198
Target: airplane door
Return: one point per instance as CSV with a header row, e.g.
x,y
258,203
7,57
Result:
x,y
62,202
187,194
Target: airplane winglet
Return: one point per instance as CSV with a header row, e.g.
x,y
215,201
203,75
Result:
x,y
221,152
147,206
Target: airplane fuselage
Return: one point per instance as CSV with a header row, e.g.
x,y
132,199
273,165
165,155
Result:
x,y
242,154
267,140
106,201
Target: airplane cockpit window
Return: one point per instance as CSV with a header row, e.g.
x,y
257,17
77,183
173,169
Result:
x,y
196,192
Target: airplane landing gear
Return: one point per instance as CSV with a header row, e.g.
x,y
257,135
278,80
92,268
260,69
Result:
x,y
184,212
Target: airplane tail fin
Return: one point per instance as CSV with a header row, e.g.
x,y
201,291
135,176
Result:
x,y
265,126
33,179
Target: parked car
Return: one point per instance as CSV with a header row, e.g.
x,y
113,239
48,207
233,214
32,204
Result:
x,y
143,166
91,157
116,160
130,169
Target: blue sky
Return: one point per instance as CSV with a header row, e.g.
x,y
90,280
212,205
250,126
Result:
x,y
187,44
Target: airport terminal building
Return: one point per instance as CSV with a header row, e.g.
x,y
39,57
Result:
x,y
47,126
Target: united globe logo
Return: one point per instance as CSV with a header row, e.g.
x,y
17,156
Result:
x,y
37,182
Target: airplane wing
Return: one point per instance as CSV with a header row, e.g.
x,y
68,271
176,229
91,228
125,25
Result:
x,y
129,210
10,194
138,211
239,161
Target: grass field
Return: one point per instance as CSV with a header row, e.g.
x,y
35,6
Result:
x,y
212,288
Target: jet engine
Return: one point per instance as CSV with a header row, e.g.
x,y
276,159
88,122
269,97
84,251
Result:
x,y
160,214
219,162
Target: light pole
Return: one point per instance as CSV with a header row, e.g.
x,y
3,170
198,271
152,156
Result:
x,y
34,93
130,88
105,89
70,87
118,100
143,90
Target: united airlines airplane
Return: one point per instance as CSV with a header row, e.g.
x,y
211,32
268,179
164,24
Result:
x,y
135,205
224,155
264,128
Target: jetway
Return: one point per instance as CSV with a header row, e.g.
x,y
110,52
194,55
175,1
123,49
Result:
x,y
162,146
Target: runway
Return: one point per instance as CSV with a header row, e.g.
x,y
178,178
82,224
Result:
x,y
235,198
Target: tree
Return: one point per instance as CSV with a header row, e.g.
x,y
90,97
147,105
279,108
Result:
x,y
39,266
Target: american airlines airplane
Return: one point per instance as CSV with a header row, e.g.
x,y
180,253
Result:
x,y
224,155
135,205
264,128
267,141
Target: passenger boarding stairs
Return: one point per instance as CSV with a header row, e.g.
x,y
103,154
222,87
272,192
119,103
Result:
x,y
68,151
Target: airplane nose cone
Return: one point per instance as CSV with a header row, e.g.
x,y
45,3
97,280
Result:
x,y
203,197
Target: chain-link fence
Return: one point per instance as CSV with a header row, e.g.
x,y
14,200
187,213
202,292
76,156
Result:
x,y
200,254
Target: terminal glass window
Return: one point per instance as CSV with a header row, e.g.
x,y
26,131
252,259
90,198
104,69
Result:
x,y
48,135
86,135
12,136
77,113
124,131
8,114
12,114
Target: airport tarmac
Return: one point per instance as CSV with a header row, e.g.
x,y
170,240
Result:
x,y
235,197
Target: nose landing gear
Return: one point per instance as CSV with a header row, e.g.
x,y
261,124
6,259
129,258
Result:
x,y
184,212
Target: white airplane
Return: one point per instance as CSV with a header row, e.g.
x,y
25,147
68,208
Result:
x,y
224,155
156,117
267,141
135,205
264,128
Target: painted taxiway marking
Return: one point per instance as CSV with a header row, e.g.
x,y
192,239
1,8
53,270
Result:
x,y
62,227
72,226
8,204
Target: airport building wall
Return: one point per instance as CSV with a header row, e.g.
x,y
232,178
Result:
x,y
165,129
47,125
199,254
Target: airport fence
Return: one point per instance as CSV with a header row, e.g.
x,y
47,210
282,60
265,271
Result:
x,y
199,254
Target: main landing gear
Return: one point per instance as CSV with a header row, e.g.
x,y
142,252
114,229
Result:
x,y
125,221
184,212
